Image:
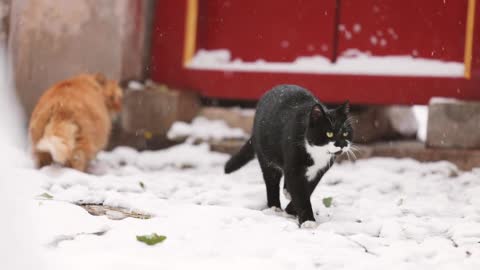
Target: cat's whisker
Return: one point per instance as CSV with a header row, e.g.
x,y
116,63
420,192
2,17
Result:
x,y
354,148
356,151
351,118
348,156
354,156
353,145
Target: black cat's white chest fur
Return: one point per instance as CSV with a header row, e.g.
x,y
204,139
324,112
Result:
x,y
296,136
321,156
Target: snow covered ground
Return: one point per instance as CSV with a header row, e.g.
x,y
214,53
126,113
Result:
x,y
386,214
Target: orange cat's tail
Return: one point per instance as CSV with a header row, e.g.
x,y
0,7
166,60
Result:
x,y
58,139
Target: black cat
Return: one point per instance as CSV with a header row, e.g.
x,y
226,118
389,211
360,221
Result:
x,y
296,136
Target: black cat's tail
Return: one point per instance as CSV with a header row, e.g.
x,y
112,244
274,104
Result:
x,y
241,158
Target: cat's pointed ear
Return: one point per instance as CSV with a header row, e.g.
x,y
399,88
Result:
x,y
101,79
317,112
344,108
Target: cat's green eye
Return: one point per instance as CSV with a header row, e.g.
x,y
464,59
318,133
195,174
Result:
x,y
330,134
345,134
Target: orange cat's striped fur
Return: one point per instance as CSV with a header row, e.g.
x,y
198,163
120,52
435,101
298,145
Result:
x,y
71,122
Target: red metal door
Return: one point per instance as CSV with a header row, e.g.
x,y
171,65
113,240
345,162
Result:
x,y
433,29
278,31
281,30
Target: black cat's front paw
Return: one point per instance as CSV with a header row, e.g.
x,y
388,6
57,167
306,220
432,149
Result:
x,y
290,209
309,225
305,216
305,219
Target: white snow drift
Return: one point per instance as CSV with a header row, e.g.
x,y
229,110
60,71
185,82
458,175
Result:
x,y
351,62
386,214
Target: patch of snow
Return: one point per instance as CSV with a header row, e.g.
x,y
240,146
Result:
x,y
205,129
403,120
13,140
182,156
383,42
392,33
136,86
357,28
244,111
284,44
19,243
421,114
361,64
443,100
222,56
348,35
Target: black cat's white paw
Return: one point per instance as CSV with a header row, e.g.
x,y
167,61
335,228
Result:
x,y
309,225
276,209
273,211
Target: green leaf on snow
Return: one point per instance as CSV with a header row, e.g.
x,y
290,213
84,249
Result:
x,y
151,239
327,201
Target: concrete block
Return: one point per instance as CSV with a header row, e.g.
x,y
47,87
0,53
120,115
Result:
x,y
151,112
453,123
140,140
375,123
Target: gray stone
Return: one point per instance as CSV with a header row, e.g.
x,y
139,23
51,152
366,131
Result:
x,y
153,111
376,123
453,123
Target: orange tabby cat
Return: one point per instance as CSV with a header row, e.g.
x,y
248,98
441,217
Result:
x,y
72,121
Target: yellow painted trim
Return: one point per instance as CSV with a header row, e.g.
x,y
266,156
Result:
x,y
191,19
467,60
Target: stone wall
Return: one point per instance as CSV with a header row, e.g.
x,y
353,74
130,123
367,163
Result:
x,y
51,40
